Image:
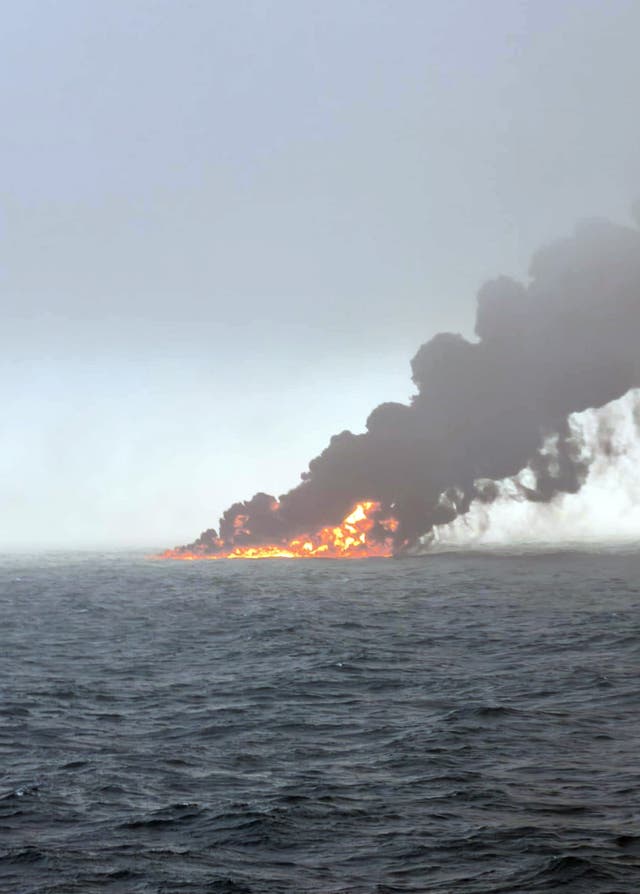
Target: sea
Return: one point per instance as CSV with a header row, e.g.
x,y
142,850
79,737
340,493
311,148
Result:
x,y
459,722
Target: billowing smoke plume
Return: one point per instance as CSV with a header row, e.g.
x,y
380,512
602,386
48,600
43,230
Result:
x,y
605,509
484,411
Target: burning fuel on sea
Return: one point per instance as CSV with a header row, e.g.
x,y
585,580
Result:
x,y
363,533
484,411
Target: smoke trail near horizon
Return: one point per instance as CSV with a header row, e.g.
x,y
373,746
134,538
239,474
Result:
x,y
484,411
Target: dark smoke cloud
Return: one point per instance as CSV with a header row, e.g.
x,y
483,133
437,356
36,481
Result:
x,y
563,343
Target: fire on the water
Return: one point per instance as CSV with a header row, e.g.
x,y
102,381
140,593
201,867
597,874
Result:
x,y
361,534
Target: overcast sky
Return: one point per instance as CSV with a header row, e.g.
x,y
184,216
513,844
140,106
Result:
x,y
225,228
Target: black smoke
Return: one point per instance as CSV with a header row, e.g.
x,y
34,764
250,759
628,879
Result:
x,y
566,341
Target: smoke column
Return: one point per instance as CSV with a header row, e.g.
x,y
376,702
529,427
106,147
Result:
x,y
606,509
564,342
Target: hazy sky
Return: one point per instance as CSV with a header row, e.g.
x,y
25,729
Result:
x,y
226,227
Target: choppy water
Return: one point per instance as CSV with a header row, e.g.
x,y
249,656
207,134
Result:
x,y
453,724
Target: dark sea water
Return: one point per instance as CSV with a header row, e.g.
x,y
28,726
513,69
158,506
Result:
x,y
461,723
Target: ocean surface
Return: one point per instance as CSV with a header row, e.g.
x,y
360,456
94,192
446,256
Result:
x,y
456,723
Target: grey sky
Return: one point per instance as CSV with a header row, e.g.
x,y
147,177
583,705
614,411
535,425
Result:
x,y
226,227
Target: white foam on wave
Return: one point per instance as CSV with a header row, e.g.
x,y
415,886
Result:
x,y
606,509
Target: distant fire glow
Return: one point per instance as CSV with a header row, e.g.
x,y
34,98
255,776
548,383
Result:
x,y
486,411
362,534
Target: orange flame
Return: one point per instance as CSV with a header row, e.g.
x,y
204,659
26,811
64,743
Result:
x,y
352,539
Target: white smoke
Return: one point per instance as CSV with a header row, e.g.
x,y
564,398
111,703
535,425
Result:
x,y
605,509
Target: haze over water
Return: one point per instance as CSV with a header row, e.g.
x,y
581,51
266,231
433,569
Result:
x,y
459,723
225,229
